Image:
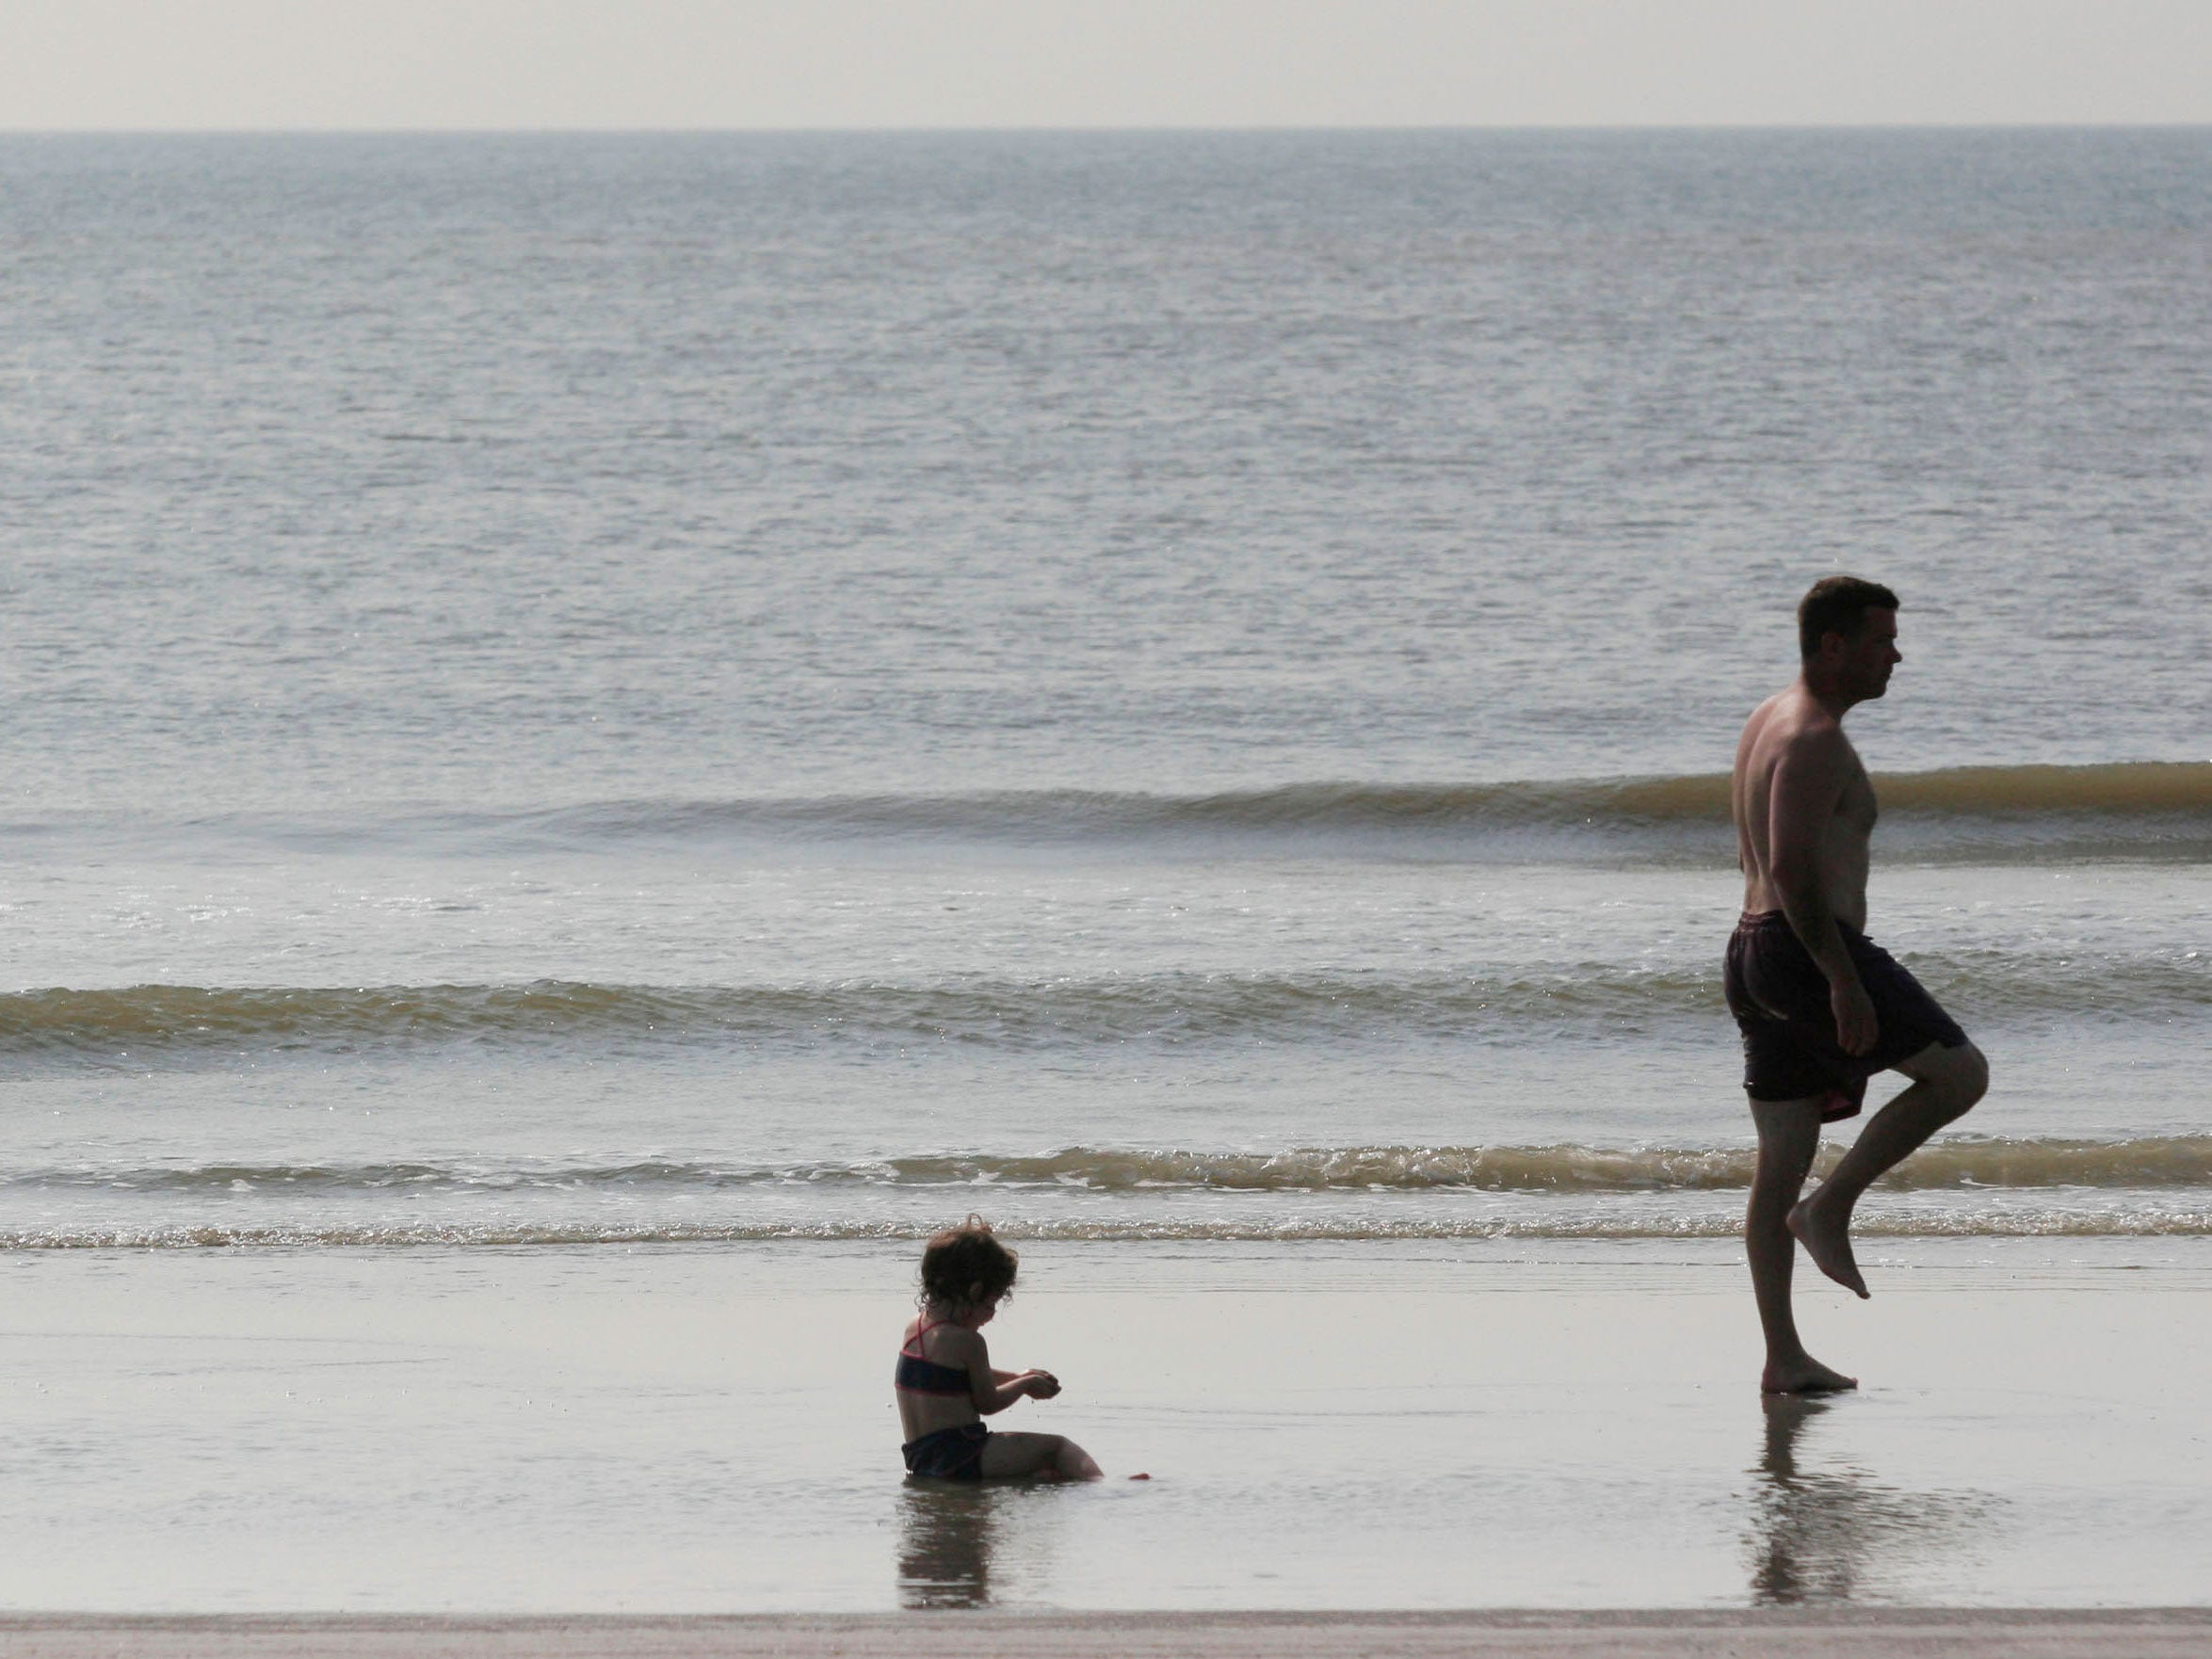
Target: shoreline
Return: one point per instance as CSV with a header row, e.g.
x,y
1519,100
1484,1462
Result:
x,y
1663,1634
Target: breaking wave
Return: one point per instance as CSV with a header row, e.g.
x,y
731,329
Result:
x,y
2156,1163
2047,1223
2035,814
153,1025
2127,810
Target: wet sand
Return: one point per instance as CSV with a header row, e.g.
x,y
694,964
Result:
x,y
491,1434
2136,1634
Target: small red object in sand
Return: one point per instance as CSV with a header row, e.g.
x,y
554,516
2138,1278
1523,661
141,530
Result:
x,y
1141,1478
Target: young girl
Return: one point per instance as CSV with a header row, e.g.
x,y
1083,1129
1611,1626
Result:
x,y
944,1382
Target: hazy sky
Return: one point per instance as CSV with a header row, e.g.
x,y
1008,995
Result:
x,y
1077,63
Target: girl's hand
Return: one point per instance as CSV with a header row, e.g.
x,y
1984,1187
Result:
x,y
1043,1384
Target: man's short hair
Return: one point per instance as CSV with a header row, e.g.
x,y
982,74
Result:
x,y
1839,604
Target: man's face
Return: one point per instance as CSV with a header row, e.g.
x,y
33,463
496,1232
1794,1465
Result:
x,y
1867,658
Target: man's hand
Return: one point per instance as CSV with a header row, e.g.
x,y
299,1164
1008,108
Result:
x,y
1855,1026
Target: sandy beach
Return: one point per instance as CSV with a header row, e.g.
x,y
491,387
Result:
x,y
609,1432
2136,1634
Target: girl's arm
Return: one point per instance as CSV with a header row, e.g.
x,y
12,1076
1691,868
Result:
x,y
995,1391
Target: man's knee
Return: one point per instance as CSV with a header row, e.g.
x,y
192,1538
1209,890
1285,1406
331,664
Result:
x,y
1964,1078
1957,1077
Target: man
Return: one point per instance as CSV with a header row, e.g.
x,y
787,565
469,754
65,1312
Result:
x,y
1822,1007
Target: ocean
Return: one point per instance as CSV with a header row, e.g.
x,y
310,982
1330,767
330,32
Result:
x,y
652,708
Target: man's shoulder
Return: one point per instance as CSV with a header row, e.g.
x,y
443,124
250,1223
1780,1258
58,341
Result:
x,y
1794,735
1818,743
1792,720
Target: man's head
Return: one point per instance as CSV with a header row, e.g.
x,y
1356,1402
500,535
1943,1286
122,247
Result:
x,y
1848,635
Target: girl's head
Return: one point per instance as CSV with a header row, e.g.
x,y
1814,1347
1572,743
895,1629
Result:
x,y
965,1269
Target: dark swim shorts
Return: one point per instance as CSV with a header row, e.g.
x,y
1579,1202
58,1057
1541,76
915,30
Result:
x,y
1779,999
949,1454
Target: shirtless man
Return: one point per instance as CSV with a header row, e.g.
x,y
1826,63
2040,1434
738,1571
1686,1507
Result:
x,y
1822,1007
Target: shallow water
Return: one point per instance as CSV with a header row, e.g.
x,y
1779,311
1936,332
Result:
x,y
1376,1425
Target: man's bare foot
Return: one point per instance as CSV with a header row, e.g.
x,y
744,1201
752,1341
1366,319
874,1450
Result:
x,y
1803,1375
1828,1242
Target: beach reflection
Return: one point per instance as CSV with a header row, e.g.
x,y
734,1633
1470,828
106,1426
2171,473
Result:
x,y
1830,1532
946,1534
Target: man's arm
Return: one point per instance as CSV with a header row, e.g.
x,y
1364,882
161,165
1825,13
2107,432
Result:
x,y
1802,796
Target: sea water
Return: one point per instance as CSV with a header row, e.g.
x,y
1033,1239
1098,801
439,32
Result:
x,y
705,701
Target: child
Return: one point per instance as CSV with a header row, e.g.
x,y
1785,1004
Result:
x,y
945,1385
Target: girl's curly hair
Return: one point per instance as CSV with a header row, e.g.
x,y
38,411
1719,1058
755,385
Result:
x,y
965,1268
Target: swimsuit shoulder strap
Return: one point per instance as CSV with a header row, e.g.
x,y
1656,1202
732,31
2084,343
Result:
x,y
915,1340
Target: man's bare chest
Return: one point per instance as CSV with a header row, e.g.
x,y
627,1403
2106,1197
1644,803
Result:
x,y
1856,807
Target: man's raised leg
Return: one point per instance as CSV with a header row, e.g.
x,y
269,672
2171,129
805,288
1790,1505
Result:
x,y
1790,1134
1945,1083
